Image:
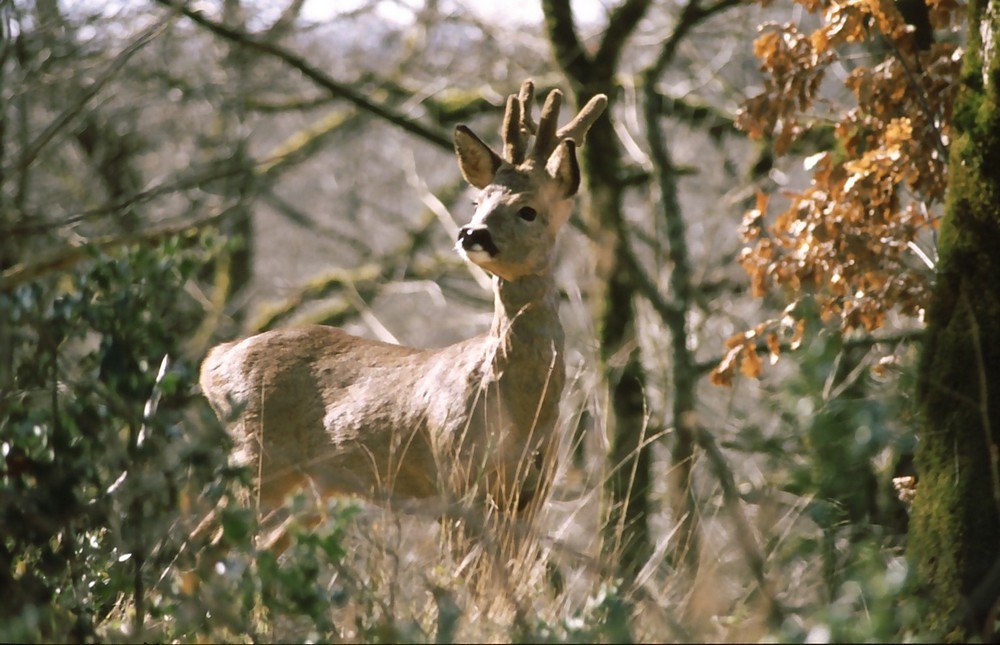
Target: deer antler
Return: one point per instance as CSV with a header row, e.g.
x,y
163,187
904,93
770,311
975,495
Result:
x,y
527,98
518,125
578,127
514,142
545,140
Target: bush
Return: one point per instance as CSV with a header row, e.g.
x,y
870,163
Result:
x,y
92,482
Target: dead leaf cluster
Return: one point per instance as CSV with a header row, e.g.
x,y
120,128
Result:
x,y
852,238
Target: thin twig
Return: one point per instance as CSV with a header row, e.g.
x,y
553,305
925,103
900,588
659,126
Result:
x,y
66,116
867,340
744,533
334,87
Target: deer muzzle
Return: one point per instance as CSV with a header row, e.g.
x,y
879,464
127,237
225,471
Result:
x,y
474,239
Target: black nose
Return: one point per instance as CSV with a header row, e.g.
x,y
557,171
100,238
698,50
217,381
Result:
x,y
477,239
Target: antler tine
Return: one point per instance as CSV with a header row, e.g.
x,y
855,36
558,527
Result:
x,y
527,99
546,139
577,128
513,143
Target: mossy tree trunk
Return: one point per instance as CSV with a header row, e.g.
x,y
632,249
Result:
x,y
955,527
9,212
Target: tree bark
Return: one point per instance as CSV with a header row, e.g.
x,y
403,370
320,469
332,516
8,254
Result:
x,y
7,207
684,374
955,527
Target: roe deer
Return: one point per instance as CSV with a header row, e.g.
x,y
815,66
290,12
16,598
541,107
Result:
x,y
317,406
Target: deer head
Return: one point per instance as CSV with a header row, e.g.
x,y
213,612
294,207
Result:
x,y
524,197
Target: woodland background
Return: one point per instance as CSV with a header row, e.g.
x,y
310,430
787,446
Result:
x,y
781,291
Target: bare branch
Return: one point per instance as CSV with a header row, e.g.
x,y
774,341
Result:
x,y
301,145
198,177
566,44
286,21
621,23
87,94
697,114
336,88
289,104
865,340
68,257
296,149
691,16
744,533
367,279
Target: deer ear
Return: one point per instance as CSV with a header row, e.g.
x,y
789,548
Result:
x,y
563,167
476,160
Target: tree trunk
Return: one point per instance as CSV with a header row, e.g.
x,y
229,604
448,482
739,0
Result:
x,y
955,528
627,486
233,269
685,376
627,539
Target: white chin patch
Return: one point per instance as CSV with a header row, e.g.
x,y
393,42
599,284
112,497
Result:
x,y
476,254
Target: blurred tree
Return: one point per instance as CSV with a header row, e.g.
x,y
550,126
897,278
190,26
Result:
x,y
622,279
7,245
110,150
628,467
678,308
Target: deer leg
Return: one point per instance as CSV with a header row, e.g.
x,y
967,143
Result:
x,y
276,522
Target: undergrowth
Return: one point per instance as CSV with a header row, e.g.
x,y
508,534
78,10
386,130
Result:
x,y
122,518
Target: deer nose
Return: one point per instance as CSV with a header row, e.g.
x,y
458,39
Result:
x,y
477,239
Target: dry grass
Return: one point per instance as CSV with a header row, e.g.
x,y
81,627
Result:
x,y
469,575
459,572
462,571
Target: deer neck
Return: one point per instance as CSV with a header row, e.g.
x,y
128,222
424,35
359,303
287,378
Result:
x,y
526,319
526,363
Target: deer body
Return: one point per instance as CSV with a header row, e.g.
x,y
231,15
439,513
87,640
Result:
x,y
316,406
390,415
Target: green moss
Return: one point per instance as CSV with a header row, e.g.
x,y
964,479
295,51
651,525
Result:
x,y
964,115
955,531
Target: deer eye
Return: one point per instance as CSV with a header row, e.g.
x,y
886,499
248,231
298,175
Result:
x,y
528,214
